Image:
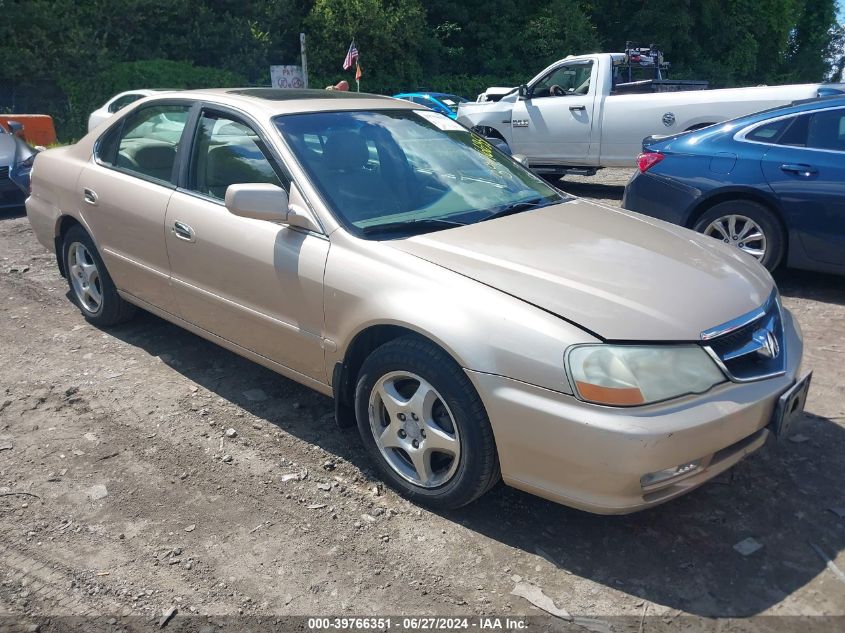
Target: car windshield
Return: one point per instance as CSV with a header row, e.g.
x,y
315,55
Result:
x,y
389,173
452,102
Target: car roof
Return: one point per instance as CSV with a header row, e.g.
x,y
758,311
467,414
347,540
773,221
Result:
x,y
729,128
272,101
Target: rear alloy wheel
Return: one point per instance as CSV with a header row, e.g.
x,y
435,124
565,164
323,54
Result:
x,y
748,226
91,287
425,426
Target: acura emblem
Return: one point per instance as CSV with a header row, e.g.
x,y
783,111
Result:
x,y
769,347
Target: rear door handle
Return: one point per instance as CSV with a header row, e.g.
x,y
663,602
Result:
x,y
184,232
801,170
576,108
90,196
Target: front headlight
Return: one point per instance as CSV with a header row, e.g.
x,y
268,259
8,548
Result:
x,y
630,375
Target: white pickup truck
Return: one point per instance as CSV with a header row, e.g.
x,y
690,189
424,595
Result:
x,y
572,118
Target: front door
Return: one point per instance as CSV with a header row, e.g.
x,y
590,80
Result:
x,y
125,193
554,123
808,176
252,282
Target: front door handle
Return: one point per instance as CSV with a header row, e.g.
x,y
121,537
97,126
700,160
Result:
x,y
90,196
576,108
184,232
801,170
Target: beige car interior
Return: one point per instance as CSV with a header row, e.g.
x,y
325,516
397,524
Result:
x,y
229,153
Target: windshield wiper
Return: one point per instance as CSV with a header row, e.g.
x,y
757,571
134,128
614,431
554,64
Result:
x,y
411,226
517,207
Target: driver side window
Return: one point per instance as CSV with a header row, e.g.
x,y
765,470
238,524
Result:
x,y
565,80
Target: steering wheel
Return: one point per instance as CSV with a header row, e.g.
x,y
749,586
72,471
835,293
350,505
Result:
x,y
556,91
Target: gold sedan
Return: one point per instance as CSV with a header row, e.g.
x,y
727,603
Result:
x,y
474,322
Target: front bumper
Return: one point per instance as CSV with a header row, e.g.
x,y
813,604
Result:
x,y
594,458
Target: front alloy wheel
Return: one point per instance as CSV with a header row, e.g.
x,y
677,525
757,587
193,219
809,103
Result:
x,y
424,425
414,429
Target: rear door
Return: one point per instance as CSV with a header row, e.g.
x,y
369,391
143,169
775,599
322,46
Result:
x,y
124,195
555,125
806,169
251,282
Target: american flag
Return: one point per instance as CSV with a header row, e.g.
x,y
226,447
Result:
x,y
351,56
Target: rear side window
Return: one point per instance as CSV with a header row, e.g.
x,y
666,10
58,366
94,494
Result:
x,y
826,130
229,152
147,143
796,133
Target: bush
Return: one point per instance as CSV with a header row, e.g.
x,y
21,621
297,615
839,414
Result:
x,y
87,94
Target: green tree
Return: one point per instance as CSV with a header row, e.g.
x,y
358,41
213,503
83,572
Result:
x,y
389,34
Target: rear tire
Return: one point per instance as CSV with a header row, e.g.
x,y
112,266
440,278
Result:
x,y
91,286
424,425
756,230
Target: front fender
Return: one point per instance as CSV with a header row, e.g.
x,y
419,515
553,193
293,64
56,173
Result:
x,y
483,329
496,116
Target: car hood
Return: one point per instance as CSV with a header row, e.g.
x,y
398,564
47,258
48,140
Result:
x,y
617,274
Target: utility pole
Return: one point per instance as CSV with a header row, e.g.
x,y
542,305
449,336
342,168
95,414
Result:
x,y
304,59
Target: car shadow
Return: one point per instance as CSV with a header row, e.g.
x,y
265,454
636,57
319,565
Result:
x,y
805,284
12,213
680,555
591,190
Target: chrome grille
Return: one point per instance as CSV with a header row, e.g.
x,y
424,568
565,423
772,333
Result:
x,y
750,347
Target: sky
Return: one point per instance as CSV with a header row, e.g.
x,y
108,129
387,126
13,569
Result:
x,y
840,10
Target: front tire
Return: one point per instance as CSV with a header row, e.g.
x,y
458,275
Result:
x,y
91,286
747,225
424,425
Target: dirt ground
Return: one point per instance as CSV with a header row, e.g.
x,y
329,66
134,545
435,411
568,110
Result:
x,y
128,498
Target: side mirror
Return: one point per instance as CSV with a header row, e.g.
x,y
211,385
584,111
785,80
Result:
x,y
525,92
271,203
15,127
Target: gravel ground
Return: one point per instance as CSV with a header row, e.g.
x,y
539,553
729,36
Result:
x,y
123,495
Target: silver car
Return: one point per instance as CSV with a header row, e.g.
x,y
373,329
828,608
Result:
x,y
474,322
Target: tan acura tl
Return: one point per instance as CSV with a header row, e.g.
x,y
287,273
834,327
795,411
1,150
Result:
x,y
473,321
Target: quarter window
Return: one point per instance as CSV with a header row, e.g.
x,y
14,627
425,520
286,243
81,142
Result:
x,y
769,132
227,152
147,143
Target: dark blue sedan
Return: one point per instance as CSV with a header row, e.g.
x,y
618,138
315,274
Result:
x,y
771,183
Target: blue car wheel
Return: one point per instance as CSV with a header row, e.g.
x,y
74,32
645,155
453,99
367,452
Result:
x,y
746,225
